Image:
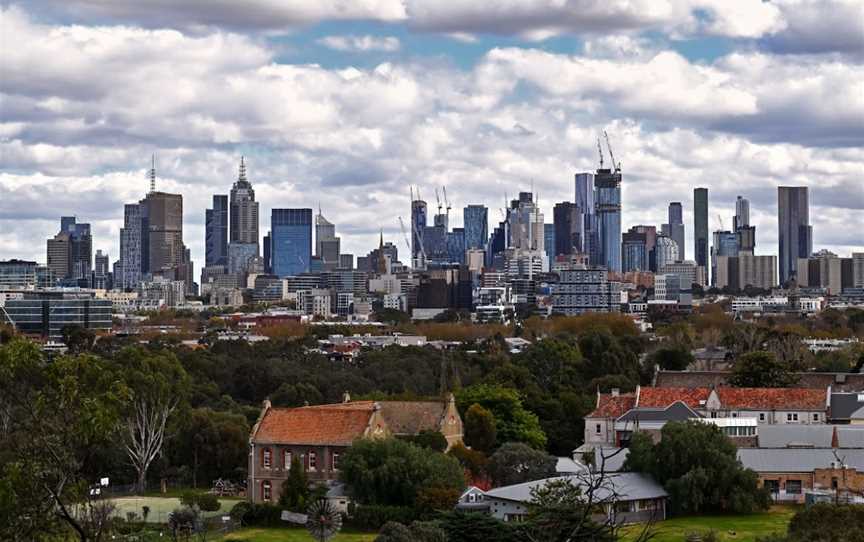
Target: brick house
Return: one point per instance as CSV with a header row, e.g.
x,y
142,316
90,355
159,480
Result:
x,y
736,410
789,473
319,435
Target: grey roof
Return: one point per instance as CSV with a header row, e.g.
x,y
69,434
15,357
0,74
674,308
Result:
x,y
676,412
798,459
628,486
814,436
614,461
844,405
566,465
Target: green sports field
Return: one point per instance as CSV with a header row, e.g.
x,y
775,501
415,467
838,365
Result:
x,y
739,528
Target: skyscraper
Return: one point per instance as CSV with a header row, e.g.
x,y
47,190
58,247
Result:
x,y
567,220
742,213
700,227
607,184
634,251
128,273
290,241
475,219
244,210
725,245
795,236
326,242
216,232
674,229
70,252
585,203
550,239
418,225
163,215
525,224
666,251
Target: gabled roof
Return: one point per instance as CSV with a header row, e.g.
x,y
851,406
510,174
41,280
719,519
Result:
x,y
411,417
337,425
624,486
772,398
799,459
810,435
676,412
612,406
663,397
845,405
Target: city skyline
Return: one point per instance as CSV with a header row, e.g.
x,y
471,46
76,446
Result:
x,y
484,112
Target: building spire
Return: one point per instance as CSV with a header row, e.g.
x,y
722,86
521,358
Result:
x,y
153,173
242,177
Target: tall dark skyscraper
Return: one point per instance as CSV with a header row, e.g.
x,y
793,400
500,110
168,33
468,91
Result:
x,y
290,241
244,210
327,244
674,229
795,236
607,184
700,227
475,218
418,227
216,232
584,199
567,220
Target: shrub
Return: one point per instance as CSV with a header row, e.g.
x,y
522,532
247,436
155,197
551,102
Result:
x,y
251,514
416,532
204,501
372,517
437,498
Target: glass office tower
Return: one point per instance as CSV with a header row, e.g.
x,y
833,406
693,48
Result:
x,y
290,241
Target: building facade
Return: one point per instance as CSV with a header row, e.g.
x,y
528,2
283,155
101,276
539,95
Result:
x,y
795,235
244,210
216,232
475,219
700,228
607,185
291,241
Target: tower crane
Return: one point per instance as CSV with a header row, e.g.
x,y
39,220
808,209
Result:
x,y
600,150
438,200
405,234
615,165
446,203
720,221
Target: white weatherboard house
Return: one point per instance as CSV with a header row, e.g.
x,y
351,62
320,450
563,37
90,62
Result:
x,y
626,497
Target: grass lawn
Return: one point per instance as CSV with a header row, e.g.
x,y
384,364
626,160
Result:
x,y
160,507
742,528
282,534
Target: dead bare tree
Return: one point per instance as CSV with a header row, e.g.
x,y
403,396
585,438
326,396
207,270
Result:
x,y
146,433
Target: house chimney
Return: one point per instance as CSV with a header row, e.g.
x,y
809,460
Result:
x,y
616,392
346,397
267,404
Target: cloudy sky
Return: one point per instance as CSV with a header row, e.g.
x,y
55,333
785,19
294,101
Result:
x,y
346,103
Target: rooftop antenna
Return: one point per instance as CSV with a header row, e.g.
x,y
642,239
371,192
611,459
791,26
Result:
x,y
242,177
153,173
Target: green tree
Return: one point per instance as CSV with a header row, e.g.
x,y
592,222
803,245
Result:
x,y
158,383
698,466
472,461
761,369
513,423
560,511
553,363
428,438
295,488
671,358
479,427
214,444
78,339
515,463
828,523
392,471
56,417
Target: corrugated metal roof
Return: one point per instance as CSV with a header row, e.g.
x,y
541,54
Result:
x,y
798,459
815,436
843,405
627,486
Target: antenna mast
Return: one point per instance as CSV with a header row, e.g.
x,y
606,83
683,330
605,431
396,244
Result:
x,y
600,150
153,173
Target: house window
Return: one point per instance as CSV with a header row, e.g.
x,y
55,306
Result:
x,y
265,490
734,414
761,416
791,416
772,486
266,458
287,457
597,429
815,416
713,414
313,461
335,460
793,487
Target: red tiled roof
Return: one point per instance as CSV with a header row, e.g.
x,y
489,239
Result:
x,y
337,424
663,397
772,398
609,406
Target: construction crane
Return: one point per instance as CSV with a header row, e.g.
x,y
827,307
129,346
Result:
x,y
600,150
720,221
615,165
446,203
405,234
438,200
